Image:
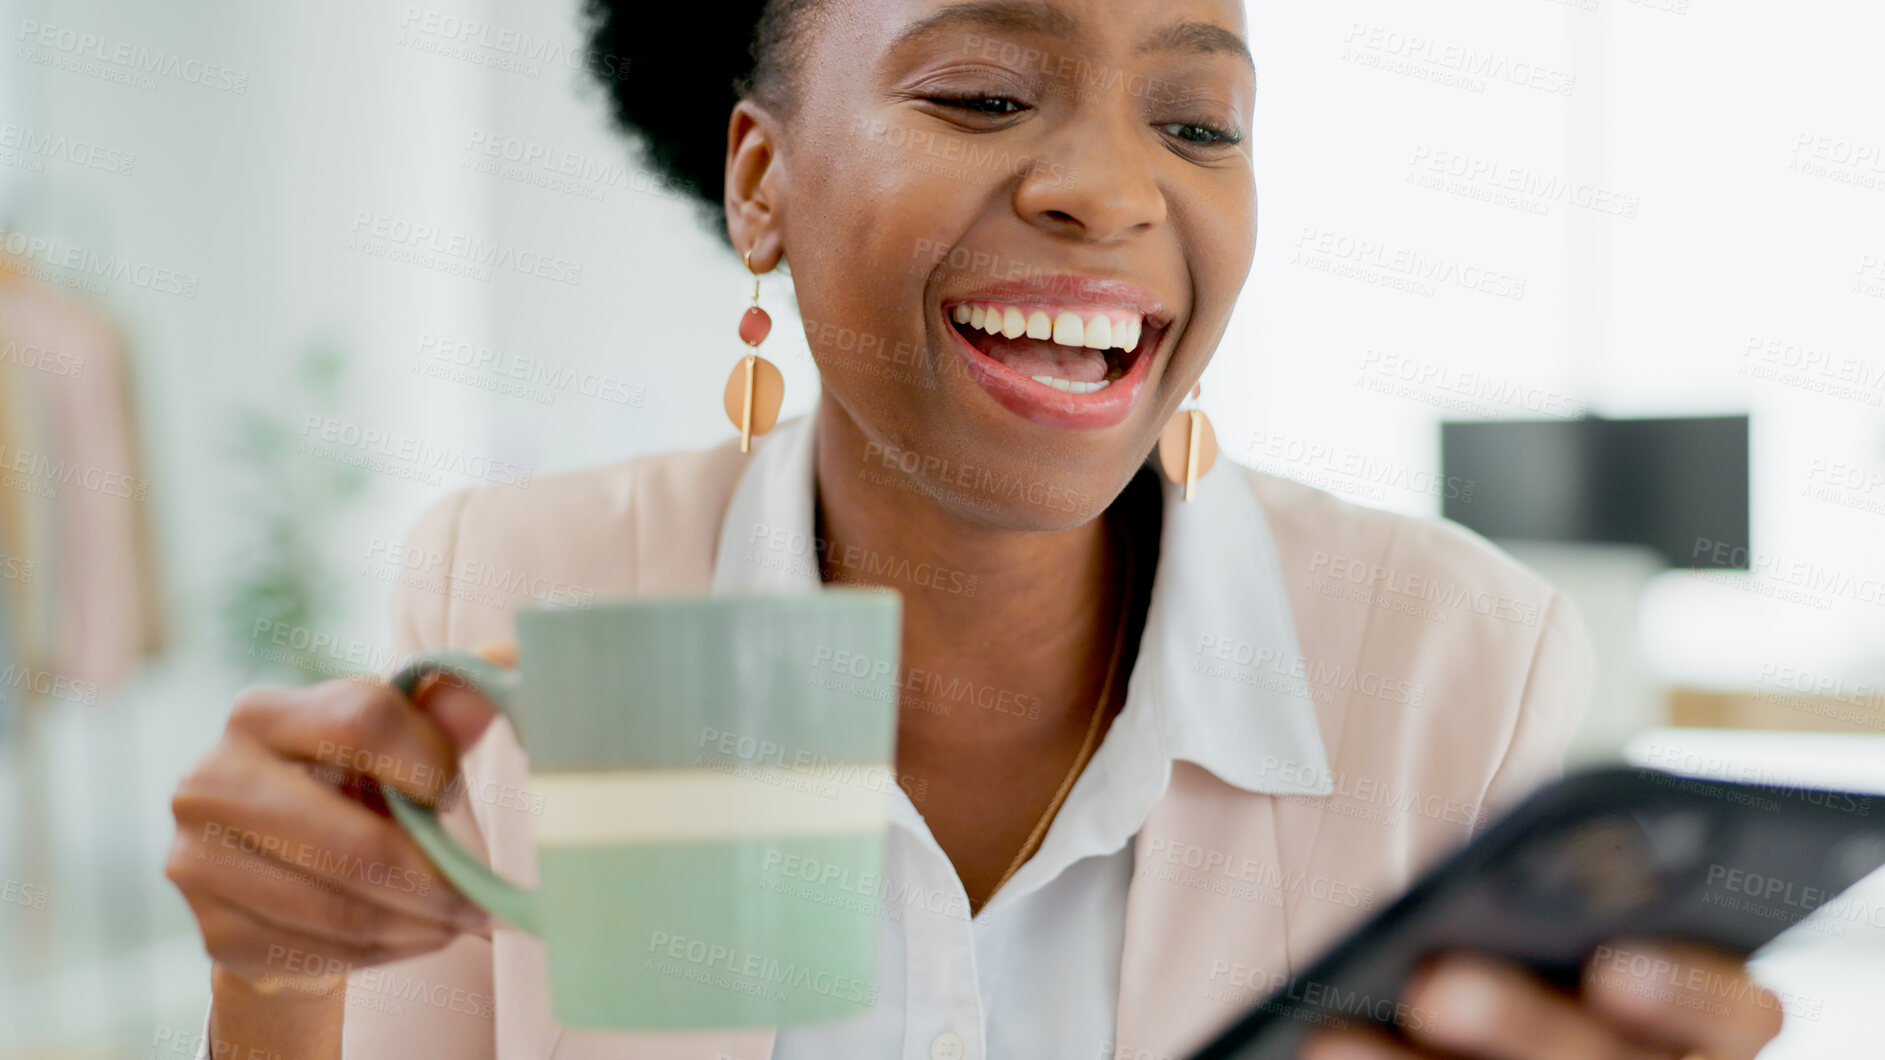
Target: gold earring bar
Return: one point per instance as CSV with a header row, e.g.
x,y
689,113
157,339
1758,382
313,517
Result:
x,y
746,406
1191,452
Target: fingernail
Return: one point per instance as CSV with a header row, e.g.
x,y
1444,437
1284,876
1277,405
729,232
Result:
x,y
472,921
423,686
498,652
1461,1002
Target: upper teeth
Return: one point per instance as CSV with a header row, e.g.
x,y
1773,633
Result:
x,y
1096,329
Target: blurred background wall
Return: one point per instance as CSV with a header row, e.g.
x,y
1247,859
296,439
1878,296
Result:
x,y
1479,209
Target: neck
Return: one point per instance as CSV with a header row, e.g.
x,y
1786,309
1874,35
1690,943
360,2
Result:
x,y
1007,634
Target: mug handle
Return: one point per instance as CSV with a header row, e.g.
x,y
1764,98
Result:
x,y
466,872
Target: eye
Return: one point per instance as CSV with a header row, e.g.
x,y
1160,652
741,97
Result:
x,y
1200,135
991,106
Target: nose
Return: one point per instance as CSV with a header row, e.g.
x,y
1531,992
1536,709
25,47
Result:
x,y
1097,184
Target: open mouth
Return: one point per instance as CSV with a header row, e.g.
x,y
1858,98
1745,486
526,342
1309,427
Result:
x,y
1073,351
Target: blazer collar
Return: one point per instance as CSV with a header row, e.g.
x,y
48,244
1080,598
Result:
x,y
1227,676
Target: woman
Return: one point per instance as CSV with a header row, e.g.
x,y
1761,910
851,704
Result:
x,y
1191,740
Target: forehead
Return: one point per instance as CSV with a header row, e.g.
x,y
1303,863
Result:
x,y
1183,26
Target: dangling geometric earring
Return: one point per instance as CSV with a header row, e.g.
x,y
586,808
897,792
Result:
x,y
755,390
1187,447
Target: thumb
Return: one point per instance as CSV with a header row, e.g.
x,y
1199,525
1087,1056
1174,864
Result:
x,y
458,708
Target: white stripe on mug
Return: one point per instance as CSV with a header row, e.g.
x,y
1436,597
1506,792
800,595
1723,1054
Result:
x,y
661,805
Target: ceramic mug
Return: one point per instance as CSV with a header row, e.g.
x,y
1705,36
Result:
x,y
709,780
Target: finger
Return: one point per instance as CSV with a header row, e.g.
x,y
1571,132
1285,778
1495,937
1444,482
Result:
x,y
1496,1011
1353,1045
361,726
459,708
262,951
1687,996
251,803
284,895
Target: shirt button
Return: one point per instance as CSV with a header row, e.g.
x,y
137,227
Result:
x,y
948,1046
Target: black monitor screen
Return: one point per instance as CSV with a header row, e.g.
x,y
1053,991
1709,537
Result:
x,y
1679,486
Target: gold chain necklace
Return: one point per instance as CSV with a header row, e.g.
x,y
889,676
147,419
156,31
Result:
x,y
1092,733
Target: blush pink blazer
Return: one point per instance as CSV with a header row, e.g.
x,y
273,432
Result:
x,y
1387,608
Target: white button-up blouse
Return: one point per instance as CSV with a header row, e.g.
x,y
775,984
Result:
x,y
1036,972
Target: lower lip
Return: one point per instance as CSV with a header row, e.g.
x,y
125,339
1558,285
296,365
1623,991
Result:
x,y
1042,404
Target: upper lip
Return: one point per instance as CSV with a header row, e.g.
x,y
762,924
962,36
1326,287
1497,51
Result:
x,y
1070,289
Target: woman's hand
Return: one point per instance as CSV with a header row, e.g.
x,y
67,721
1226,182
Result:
x,y
284,849
1638,1001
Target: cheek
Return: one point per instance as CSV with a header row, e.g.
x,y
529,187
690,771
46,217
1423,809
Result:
x,y
864,325
1228,243
867,232
1220,235
891,198
858,306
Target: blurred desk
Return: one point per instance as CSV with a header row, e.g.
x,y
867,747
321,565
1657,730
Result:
x,y
1856,710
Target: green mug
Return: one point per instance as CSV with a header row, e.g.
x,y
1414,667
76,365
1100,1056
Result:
x,y
709,778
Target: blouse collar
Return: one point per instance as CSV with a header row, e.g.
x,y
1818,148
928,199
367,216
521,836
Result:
x,y
1219,678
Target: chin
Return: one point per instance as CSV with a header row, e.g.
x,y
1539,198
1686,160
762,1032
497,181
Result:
x,y
997,487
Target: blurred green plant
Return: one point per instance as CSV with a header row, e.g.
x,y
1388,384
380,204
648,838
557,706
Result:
x,y
283,595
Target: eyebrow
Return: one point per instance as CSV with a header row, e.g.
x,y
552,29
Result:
x,y
1050,20
1198,37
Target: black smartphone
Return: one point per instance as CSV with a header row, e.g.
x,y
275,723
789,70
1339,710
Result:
x,y
1616,853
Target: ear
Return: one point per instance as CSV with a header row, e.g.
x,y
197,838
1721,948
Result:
x,y
755,185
